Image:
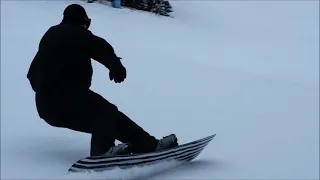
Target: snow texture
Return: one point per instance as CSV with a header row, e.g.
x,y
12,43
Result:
x,y
246,70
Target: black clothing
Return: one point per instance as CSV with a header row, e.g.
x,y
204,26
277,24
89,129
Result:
x,y
67,50
60,74
89,112
76,14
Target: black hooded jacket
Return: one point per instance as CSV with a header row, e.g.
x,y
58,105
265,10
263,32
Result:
x,y
64,57
61,71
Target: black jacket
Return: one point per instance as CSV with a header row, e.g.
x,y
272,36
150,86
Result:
x,y
61,71
64,58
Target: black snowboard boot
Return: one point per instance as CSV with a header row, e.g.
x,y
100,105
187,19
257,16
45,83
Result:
x,y
120,149
167,142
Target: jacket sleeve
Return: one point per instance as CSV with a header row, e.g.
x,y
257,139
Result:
x,y
101,51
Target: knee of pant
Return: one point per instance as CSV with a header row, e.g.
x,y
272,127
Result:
x,y
53,122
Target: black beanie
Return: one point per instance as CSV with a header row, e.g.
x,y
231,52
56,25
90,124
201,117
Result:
x,y
75,14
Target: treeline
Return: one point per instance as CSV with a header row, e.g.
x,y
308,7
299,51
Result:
x,y
161,7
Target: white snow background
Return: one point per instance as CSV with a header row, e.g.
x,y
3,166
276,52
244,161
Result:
x,y
245,70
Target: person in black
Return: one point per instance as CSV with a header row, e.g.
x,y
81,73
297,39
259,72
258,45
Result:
x,y
60,75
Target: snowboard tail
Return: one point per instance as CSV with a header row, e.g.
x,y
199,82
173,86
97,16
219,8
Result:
x,y
182,153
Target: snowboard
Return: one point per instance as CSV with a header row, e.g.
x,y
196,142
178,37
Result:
x,y
182,153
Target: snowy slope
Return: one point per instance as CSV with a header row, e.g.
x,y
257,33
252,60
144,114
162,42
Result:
x,y
248,71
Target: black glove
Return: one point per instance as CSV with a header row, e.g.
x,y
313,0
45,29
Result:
x,y
118,75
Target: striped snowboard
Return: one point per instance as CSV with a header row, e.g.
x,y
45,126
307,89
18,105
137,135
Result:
x,y
182,153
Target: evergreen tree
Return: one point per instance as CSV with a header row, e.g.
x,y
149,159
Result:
x,y
131,3
144,5
161,7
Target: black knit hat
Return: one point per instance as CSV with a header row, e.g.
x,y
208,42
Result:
x,y
75,14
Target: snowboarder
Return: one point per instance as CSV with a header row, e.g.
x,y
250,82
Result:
x,y
60,75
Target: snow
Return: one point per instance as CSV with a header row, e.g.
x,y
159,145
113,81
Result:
x,y
247,71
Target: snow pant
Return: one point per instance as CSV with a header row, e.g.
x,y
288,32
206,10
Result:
x,y
89,112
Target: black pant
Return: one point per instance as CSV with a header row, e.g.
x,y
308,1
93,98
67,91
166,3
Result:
x,y
89,112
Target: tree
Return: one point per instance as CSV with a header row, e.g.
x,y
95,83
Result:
x,y
161,7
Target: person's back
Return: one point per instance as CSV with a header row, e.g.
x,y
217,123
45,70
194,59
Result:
x,y
63,61
61,71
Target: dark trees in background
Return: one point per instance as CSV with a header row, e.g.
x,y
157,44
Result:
x,y
161,7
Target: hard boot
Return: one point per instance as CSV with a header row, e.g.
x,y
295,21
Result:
x,y
120,149
167,142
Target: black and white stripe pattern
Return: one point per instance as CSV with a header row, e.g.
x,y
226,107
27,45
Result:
x,y
182,153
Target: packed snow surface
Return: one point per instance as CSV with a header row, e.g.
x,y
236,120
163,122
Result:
x,y
245,70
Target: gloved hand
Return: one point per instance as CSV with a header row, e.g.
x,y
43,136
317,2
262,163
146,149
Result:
x,y
118,75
